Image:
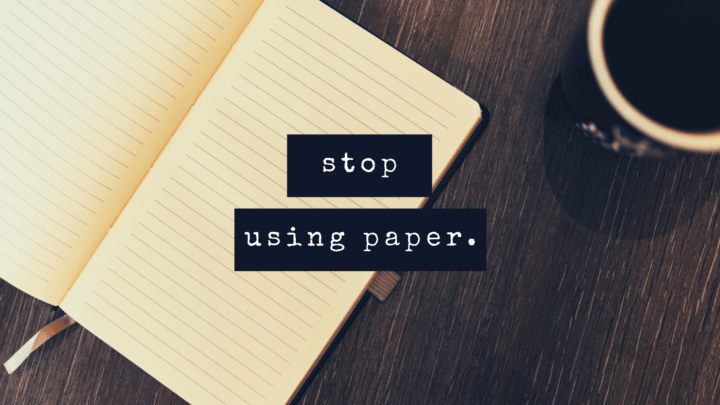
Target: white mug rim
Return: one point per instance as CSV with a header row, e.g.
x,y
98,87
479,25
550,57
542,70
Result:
x,y
702,141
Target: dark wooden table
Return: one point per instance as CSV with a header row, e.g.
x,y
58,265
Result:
x,y
602,281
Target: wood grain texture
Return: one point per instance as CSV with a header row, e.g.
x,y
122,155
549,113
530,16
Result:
x,y
602,281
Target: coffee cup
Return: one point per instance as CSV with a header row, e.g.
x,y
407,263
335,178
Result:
x,y
643,76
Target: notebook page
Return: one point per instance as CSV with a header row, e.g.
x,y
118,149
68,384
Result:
x,y
90,92
161,290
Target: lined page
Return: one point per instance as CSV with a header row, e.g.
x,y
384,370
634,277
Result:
x,y
161,288
90,92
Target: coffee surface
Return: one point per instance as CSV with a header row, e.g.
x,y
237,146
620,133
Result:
x,y
664,56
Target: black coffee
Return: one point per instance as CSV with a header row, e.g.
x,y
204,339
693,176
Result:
x,y
664,56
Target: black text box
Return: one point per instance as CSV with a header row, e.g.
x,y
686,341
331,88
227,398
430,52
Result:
x,y
357,239
401,165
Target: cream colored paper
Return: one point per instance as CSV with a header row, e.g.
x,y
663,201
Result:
x,y
161,289
90,93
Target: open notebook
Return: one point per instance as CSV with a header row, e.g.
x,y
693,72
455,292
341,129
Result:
x,y
129,131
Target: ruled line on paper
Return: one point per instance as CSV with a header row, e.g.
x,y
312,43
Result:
x,y
241,176
76,116
224,181
316,92
378,201
271,299
153,352
17,264
121,43
255,118
188,240
200,198
234,341
369,60
292,296
189,236
203,14
147,45
161,37
330,85
101,116
307,289
180,337
52,134
39,195
37,159
283,104
195,228
360,70
248,147
182,320
49,150
71,77
186,19
324,199
297,131
320,281
161,71
85,70
38,210
31,239
256,151
65,143
230,322
171,26
28,254
99,45
61,105
199,214
86,89
304,50
208,187
244,161
170,245
251,132
219,8
62,123
214,292
151,316
299,98
167,345
44,181
35,225
354,202
196,315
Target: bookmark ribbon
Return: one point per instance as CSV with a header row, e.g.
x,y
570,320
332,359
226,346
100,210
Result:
x,y
36,341
383,284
